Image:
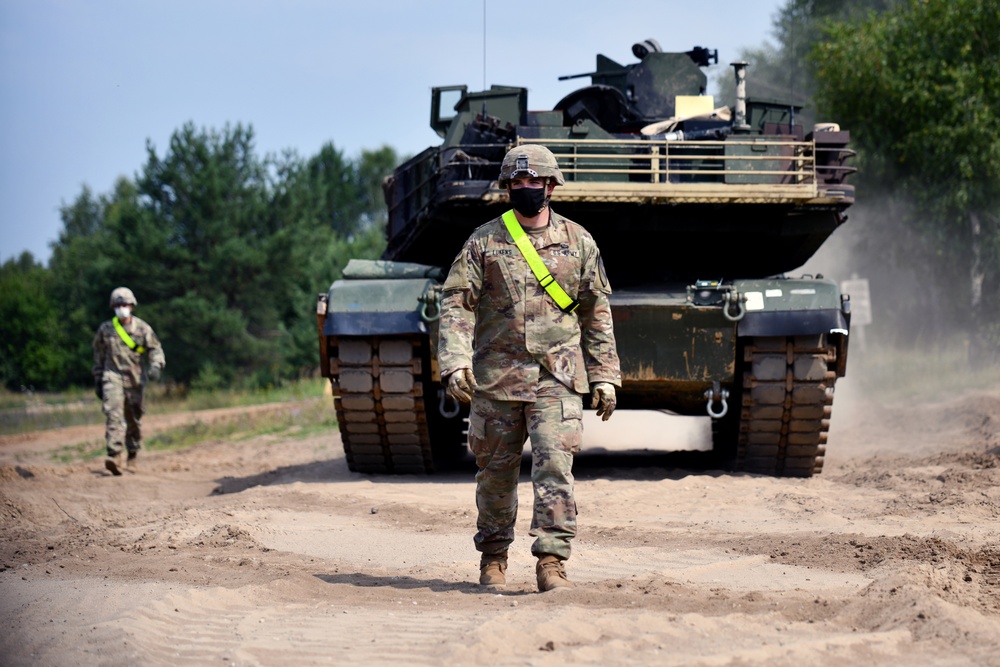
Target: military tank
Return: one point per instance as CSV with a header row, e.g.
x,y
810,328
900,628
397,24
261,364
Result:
x,y
700,211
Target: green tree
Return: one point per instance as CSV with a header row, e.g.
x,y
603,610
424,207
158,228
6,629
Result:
x,y
205,254
78,267
330,214
225,251
783,70
371,170
918,86
33,353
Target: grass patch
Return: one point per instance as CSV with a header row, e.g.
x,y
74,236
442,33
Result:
x,y
83,451
163,399
933,372
25,421
24,412
28,398
290,420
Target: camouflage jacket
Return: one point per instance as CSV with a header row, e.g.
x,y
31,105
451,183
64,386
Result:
x,y
499,321
112,354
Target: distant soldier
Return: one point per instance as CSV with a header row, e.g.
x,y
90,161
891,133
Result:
x,y
120,346
525,331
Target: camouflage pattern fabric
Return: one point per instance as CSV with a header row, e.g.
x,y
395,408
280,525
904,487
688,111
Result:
x,y
122,375
497,432
498,320
123,408
531,362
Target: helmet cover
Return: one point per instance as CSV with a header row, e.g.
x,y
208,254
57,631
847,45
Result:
x,y
122,296
529,161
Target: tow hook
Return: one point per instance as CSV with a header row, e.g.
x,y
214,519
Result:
x,y
731,298
431,308
715,293
446,412
716,394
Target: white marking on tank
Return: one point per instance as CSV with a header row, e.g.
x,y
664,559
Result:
x,y
755,301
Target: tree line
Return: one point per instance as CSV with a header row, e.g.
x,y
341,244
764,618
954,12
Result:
x,y
225,251
917,83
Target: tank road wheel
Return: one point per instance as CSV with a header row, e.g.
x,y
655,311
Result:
x,y
380,406
786,401
388,408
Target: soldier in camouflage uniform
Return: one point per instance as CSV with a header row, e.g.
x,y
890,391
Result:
x,y
524,363
120,346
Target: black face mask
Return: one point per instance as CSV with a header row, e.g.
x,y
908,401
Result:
x,y
529,202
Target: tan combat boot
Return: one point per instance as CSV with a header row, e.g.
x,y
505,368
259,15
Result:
x,y
132,462
550,573
114,464
493,570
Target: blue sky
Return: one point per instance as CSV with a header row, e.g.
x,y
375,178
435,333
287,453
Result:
x,y
84,84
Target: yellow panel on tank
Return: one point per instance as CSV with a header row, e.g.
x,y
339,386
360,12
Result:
x,y
686,106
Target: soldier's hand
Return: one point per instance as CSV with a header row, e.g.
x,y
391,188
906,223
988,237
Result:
x,y
154,372
461,384
99,391
604,400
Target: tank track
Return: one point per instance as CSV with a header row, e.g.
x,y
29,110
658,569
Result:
x,y
786,401
378,394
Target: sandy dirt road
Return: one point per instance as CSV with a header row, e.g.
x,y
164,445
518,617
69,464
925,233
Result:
x,y
270,552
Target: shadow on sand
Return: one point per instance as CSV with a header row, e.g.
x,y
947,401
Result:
x,y
407,583
644,465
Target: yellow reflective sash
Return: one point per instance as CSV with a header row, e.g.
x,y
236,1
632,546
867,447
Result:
x,y
125,337
545,279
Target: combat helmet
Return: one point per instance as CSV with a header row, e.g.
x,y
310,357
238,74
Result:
x,y
529,161
122,296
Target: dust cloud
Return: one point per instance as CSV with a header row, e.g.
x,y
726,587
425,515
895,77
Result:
x,y
919,306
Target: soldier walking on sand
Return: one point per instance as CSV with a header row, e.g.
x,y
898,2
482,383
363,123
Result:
x,y
526,330
120,346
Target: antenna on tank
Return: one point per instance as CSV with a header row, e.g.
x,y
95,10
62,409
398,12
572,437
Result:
x,y
484,44
484,58
792,71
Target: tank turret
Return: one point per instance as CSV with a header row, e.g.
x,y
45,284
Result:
x,y
626,98
650,136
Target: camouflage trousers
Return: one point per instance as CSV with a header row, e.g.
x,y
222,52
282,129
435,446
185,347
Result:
x,y
123,407
497,432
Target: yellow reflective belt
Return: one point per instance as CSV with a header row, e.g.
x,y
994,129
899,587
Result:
x,y
545,279
125,337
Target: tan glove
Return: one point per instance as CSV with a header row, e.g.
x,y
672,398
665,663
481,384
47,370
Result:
x,y
461,385
604,399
